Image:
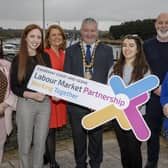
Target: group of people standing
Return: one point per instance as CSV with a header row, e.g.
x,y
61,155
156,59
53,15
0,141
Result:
x,y
38,115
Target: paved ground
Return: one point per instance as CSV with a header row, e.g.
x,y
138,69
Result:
x,y
64,154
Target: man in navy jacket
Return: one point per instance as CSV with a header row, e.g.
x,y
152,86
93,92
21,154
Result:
x,y
156,51
77,63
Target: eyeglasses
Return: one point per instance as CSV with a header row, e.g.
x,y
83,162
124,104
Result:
x,y
135,37
131,35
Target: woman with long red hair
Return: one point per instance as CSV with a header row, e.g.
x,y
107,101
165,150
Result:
x,y
33,108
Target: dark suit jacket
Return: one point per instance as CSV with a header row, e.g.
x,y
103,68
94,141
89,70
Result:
x,y
102,63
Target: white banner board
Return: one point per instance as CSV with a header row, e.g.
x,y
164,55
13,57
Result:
x,y
74,89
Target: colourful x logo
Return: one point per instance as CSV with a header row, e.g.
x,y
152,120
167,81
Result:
x,y
130,117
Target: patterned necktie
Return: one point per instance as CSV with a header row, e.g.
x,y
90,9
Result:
x,y
88,54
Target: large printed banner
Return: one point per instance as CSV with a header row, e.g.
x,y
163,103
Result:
x,y
113,101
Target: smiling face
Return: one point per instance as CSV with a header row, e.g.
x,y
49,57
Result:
x,y
89,32
55,38
33,39
161,26
129,49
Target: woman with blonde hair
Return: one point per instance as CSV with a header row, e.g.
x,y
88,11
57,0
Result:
x,y
55,43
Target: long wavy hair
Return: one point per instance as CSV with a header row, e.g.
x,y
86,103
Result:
x,y
23,52
140,65
47,43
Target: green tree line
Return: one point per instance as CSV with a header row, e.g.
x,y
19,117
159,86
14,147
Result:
x,y
144,28
10,33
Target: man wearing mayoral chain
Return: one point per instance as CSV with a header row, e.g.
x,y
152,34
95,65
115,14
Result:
x,y
90,59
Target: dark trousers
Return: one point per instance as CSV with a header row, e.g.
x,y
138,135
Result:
x,y
50,146
130,147
94,146
153,147
154,117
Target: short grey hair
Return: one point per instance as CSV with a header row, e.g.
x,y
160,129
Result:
x,y
89,20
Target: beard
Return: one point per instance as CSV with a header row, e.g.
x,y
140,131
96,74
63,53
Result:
x,y
162,34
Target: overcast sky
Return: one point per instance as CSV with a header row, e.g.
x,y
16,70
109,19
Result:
x,y
68,13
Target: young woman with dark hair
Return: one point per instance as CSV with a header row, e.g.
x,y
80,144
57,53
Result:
x,y
131,67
